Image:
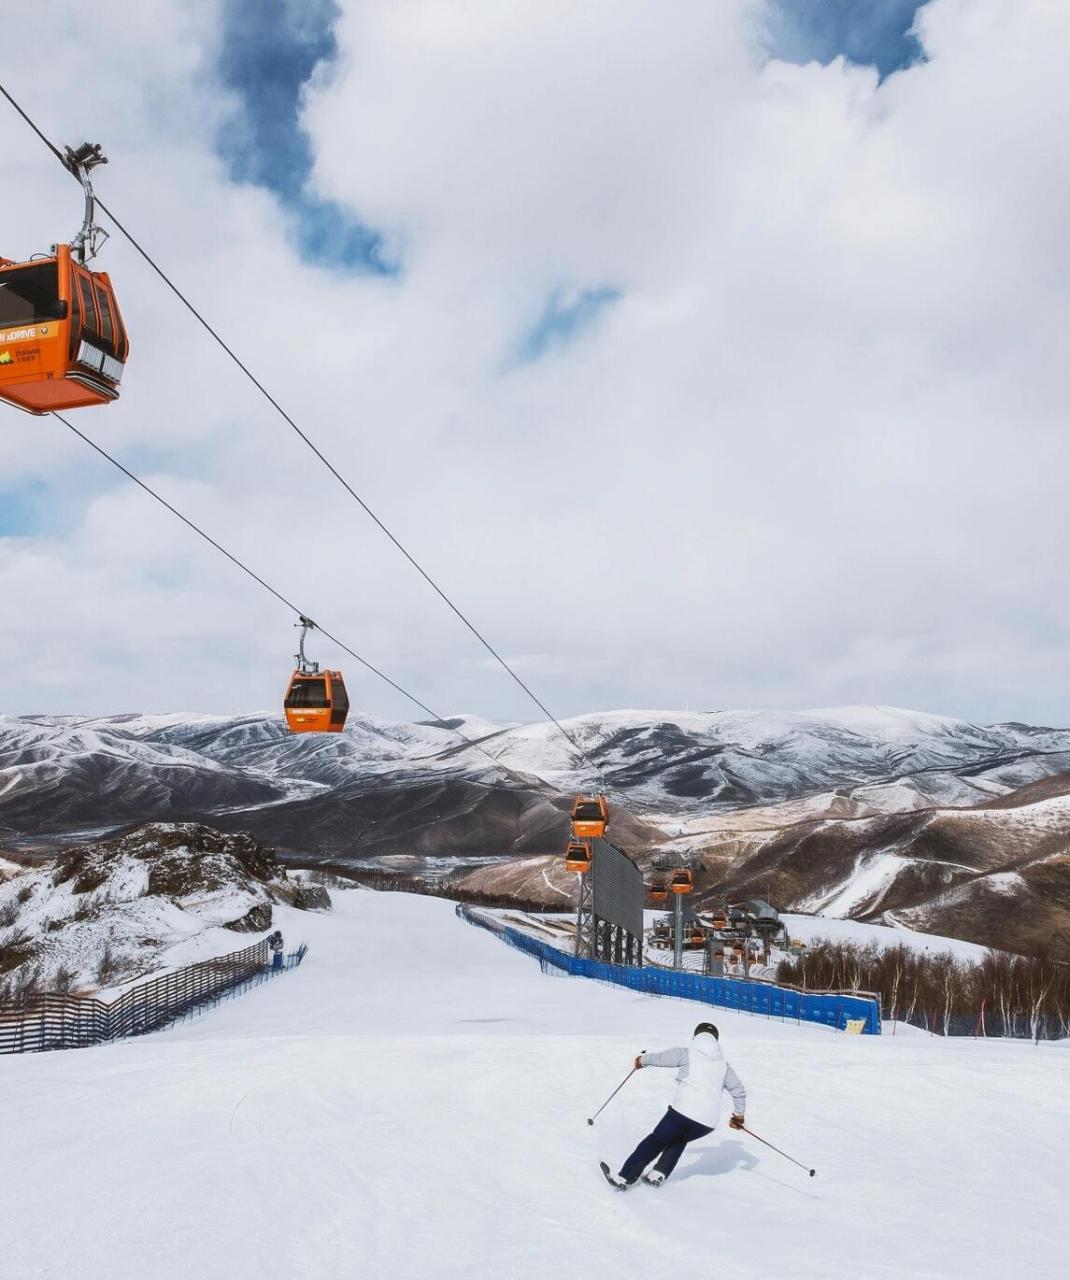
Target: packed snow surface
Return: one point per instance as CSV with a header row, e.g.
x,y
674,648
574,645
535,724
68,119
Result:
x,y
869,877
808,927
411,1103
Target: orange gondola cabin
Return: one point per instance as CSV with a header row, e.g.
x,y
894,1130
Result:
x,y
590,817
681,882
659,891
63,344
316,702
578,857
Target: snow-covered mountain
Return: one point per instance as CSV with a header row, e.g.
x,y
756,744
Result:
x,y
379,787
860,811
59,772
422,783
683,762
996,873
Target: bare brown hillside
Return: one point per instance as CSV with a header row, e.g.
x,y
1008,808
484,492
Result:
x,y
997,873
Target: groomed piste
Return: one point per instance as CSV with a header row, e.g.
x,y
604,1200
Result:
x,y
411,1103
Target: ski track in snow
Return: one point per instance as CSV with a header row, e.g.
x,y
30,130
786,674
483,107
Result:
x,y
411,1104
870,876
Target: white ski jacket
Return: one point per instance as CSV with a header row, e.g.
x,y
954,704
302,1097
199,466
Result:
x,y
702,1074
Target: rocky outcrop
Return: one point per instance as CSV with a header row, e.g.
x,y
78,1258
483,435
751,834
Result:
x,y
255,920
111,909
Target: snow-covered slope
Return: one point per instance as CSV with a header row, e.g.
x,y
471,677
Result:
x,y
163,893
811,927
411,1103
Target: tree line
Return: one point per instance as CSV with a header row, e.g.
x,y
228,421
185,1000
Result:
x,y
1000,995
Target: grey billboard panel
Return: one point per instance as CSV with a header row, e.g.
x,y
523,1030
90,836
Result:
x,y
617,888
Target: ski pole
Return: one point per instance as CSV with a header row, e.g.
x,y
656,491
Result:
x,y
591,1119
811,1172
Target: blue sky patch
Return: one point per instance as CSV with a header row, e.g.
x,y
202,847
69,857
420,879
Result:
x,y
19,511
270,49
566,315
868,32
36,509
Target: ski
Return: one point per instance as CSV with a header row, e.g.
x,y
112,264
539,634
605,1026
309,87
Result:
x,y
607,1173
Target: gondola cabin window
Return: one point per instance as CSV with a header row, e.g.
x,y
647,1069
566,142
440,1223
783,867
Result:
x,y
30,295
308,693
339,701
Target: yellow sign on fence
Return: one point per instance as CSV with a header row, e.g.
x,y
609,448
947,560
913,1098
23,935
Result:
x,y
855,1026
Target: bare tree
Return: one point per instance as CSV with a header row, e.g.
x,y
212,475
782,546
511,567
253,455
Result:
x,y
1028,995
108,966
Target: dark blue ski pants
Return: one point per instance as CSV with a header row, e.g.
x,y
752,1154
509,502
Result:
x,y
666,1145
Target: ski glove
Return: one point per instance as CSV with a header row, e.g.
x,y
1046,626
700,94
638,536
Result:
x,y
638,1062
737,1122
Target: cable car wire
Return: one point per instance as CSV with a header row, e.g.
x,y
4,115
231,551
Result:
x,y
47,141
288,603
315,449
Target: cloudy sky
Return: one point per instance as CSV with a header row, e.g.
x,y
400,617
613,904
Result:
x,y
710,355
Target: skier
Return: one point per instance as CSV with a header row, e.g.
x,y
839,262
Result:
x,y
696,1106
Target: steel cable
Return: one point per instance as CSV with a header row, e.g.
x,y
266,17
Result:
x,y
440,720
314,448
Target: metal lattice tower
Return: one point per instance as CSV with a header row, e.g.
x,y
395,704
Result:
x,y
585,916
678,931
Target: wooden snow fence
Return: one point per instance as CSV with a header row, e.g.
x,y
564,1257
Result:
x,y
45,1021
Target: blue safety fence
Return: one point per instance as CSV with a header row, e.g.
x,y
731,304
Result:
x,y
766,999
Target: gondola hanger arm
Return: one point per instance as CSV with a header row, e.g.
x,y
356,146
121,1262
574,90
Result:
x,y
80,161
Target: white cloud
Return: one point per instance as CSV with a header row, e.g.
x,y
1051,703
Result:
x,y
814,453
